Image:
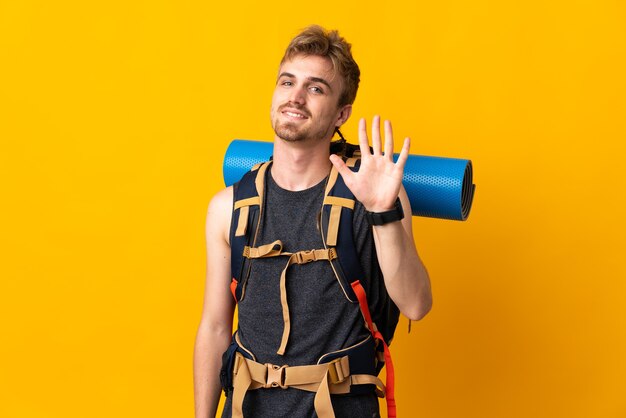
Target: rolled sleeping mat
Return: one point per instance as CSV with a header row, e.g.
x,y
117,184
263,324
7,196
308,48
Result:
x,y
437,187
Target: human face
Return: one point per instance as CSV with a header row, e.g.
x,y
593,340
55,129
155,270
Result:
x,y
305,101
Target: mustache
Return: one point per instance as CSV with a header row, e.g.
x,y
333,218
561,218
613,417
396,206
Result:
x,y
295,106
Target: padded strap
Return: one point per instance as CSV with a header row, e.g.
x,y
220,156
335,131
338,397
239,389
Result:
x,y
244,204
244,209
245,224
332,179
336,231
259,182
337,204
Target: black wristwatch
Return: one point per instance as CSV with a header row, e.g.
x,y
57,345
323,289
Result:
x,y
382,218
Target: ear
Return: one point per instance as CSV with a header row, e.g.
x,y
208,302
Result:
x,y
343,115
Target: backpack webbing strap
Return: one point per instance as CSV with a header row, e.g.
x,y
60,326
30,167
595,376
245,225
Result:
x,y
244,209
275,249
351,162
337,230
301,257
391,400
259,182
247,207
337,203
324,379
332,179
247,202
244,204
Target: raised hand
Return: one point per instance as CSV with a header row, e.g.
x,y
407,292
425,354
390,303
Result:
x,y
377,183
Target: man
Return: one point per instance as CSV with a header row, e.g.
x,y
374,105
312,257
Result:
x,y
315,89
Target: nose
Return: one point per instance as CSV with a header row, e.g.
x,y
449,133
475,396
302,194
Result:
x,y
297,95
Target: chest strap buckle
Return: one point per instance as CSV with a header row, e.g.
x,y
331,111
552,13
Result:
x,y
275,376
306,256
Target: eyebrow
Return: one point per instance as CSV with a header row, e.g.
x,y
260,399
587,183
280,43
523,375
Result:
x,y
315,79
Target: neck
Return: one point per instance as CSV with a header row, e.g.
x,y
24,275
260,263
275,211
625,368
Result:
x,y
300,165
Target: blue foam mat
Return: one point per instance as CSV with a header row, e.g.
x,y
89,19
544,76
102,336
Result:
x,y
438,187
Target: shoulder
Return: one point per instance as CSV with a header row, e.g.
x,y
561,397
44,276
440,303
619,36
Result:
x,y
219,214
222,200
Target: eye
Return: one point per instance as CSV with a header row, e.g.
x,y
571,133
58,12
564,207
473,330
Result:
x,y
286,83
316,89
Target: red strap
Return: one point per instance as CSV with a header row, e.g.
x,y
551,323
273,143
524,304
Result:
x,y
390,383
233,288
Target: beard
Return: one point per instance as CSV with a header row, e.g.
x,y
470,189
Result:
x,y
290,132
296,132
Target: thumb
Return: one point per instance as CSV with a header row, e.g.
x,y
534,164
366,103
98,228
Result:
x,y
341,167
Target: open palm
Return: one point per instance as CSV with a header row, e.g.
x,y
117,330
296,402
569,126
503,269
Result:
x,y
377,183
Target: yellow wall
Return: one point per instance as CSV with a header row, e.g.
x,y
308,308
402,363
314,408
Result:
x,y
114,118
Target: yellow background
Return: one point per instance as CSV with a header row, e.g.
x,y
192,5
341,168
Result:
x,y
114,119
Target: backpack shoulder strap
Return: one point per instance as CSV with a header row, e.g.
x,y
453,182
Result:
x,y
247,207
337,230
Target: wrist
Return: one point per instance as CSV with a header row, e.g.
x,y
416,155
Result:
x,y
379,209
383,217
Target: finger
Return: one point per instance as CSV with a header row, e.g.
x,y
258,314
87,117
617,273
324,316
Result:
x,y
376,135
342,168
388,141
404,154
364,145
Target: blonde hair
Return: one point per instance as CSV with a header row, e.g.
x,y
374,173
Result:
x,y
315,40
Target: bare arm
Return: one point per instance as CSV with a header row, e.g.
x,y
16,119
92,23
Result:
x,y
214,331
377,185
406,278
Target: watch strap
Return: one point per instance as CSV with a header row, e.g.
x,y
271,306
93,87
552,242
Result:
x,y
382,218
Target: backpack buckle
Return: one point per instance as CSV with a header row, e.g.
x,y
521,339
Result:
x,y
275,376
306,256
339,370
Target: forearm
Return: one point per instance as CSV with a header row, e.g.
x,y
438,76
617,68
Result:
x,y
210,344
406,277
377,184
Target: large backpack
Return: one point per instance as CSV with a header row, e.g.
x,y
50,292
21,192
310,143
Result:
x,y
362,363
